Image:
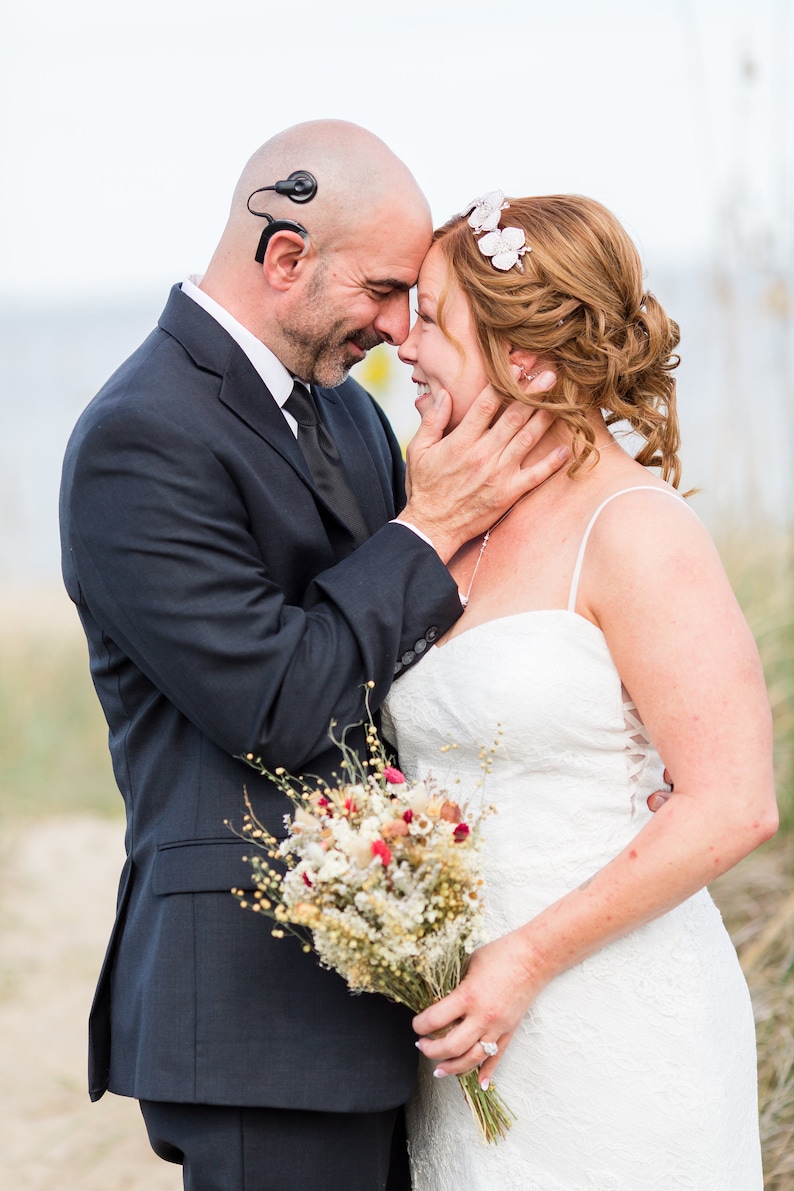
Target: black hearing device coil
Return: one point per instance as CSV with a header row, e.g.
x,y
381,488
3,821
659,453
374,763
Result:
x,y
300,187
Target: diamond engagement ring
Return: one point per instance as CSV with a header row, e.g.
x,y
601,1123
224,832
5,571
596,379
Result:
x,y
490,1048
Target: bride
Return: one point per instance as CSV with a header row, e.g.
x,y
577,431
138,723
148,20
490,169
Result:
x,y
600,633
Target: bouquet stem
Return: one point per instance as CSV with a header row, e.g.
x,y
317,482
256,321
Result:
x,y
491,1116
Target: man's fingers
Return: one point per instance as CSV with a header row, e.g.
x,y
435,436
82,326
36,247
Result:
x,y
534,476
660,797
435,413
483,412
516,427
542,383
487,410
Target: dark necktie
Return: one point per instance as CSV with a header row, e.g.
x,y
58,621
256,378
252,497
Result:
x,y
319,451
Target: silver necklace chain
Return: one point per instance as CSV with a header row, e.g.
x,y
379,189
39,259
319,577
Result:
x,y
464,599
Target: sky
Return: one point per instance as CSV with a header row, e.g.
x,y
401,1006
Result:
x,y
128,123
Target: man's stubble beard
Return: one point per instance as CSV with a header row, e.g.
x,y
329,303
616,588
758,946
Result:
x,y
320,354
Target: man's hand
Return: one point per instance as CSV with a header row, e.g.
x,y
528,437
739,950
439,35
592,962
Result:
x,y
659,797
461,483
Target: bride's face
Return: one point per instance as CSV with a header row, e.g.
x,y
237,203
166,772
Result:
x,y
448,359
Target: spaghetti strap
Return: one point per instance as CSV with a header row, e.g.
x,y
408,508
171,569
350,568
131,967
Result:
x,y
577,570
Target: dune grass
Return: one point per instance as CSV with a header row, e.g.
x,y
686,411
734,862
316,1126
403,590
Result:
x,y
757,903
53,739
757,897
762,574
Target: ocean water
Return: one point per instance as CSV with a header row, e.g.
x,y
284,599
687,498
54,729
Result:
x,y
735,392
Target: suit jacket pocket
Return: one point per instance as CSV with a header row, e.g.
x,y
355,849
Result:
x,y
202,866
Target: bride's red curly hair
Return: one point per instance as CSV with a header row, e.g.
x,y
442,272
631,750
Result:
x,y
581,307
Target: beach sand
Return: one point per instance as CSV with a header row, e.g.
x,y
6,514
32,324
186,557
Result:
x,y
57,894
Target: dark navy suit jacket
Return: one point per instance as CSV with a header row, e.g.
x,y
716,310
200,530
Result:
x,y
227,612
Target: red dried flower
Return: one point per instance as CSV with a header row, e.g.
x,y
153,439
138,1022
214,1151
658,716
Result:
x,y
306,880
382,851
393,776
408,816
460,832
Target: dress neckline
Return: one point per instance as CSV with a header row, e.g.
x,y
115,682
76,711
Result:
x,y
565,612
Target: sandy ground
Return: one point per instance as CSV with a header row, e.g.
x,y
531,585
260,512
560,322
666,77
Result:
x,y
57,891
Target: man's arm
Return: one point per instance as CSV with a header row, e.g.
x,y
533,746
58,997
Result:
x,y
158,545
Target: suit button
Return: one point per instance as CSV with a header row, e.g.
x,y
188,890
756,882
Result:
x,y
432,633
408,657
421,646
398,667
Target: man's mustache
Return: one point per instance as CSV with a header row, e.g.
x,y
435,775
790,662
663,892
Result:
x,y
365,340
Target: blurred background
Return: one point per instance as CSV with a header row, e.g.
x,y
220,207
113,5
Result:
x,y
127,125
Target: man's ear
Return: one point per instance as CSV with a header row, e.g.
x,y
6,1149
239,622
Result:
x,y
286,250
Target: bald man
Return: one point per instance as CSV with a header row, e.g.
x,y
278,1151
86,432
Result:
x,y
235,600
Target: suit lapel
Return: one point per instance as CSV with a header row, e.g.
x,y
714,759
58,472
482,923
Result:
x,y
244,392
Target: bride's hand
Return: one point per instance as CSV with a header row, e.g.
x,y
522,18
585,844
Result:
x,y
487,1005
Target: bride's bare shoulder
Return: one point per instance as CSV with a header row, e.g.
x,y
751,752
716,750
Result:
x,y
645,541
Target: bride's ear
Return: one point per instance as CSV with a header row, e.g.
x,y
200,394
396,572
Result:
x,y
523,363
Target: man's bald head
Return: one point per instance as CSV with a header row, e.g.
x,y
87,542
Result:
x,y
321,303
357,174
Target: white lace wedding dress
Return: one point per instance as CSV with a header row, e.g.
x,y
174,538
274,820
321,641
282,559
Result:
x,y
635,1070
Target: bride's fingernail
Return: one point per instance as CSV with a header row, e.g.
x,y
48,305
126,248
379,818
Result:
x,y
546,380
485,1084
418,1044
439,1073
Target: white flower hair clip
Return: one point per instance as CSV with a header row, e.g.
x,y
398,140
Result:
x,y
486,211
503,246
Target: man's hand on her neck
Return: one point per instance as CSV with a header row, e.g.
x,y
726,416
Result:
x,y
461,483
